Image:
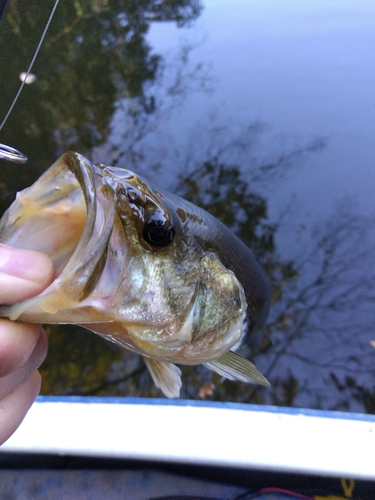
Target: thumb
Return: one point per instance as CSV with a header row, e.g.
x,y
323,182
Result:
x,y
23,273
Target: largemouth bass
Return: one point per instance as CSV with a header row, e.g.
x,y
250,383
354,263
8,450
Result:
x,y
141,267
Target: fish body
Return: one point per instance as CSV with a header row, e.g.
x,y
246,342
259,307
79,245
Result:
x,y
141,267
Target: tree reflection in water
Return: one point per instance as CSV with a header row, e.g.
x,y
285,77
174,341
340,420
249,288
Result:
x,y
102,90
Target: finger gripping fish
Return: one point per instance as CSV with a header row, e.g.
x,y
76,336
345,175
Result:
x,y
141,267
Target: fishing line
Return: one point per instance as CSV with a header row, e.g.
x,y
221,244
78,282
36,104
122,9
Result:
x,y
3,4
6,152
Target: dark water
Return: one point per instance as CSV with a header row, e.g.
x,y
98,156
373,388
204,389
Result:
x,y
261,112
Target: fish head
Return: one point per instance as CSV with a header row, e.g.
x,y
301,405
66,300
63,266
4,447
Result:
x,y
128,264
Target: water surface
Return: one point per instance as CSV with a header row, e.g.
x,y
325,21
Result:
x,y
261,112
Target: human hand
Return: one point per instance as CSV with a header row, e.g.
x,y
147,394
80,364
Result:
x,y
23,346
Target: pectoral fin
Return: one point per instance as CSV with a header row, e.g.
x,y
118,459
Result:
x,y
236,367
166,376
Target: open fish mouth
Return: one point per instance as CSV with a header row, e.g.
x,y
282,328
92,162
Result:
x,y
139,266
64,216
50,216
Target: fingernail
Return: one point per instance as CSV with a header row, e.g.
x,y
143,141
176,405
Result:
x,y
26,264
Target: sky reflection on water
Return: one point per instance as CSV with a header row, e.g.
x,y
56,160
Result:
x,y
306,70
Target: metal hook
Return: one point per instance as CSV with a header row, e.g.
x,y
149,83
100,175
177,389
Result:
x,y
6,152
10,154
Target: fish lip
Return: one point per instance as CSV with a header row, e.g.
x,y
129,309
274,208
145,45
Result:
x,y
83,170
83,262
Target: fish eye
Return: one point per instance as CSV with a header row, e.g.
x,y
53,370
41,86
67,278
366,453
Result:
x,y
158,232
